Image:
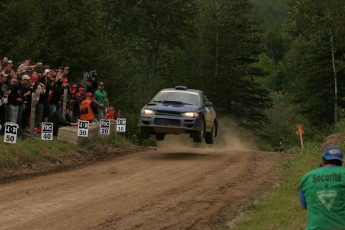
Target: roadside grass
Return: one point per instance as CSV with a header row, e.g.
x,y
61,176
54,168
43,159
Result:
x,y
30,151
117,140
280,208
27,152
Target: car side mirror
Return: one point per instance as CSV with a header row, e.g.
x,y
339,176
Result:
x,y
208,104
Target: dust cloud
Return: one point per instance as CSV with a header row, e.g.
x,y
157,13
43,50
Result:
x,y
230,137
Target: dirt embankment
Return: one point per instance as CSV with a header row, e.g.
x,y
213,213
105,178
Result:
x,y
65,162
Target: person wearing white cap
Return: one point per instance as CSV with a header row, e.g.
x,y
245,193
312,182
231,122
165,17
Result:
x,y
46,71
322,192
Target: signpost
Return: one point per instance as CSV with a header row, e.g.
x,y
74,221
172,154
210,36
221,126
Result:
x,y
121,125
104,128
300,132
10,135
47,131
83,128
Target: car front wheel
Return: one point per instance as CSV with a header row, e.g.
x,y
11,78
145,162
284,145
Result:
x,y
209,136
199,135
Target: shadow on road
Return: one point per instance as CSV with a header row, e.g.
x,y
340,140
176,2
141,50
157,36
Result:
x,y
184,156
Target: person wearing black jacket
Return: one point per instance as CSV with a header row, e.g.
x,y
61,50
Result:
x,y
16,99
3,98
59,120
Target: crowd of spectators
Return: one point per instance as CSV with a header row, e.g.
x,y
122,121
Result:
x,y
19,82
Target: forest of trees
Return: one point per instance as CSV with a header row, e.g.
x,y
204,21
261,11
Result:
x,y
268,64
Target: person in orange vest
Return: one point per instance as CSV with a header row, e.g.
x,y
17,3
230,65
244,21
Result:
x,y
88,108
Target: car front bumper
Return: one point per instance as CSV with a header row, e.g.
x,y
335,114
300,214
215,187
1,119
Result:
x,y
170,124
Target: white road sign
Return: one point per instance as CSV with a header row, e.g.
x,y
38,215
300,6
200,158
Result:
x,y
121,125
47,131
104,127
83,128
10,134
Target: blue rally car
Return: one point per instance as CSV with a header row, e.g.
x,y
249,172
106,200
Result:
x,y
176,111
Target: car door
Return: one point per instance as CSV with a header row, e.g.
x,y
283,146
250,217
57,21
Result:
x,y
210,113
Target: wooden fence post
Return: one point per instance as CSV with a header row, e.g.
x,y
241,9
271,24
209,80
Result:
x,y
33,114
64,102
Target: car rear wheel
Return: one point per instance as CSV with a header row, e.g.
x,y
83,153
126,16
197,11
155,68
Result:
x,y
160,136
209,136
144,133
199,135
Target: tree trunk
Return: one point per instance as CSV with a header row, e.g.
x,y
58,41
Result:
x,y
155,63
335,78
217,42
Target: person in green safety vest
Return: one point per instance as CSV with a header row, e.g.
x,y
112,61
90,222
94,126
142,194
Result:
x,y
322,192
101,99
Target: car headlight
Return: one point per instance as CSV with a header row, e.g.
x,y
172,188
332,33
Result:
x,y
190,114
148,112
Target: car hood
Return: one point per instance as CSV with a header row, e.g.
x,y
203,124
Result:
x,y
172,106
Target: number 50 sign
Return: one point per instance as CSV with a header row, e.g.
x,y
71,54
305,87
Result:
x,y
121,125
10,135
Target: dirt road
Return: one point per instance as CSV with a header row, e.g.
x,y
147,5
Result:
x,y
187,188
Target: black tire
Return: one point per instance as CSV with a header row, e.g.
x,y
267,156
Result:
x,y
144,133
209,136
199,135
160,136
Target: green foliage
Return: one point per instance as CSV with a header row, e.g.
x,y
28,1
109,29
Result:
x,y
308,62
55,32
227,46
271,12
280,130
283,118
340,126
271,15
274,45
150,37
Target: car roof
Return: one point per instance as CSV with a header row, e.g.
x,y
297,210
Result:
x,y
181,89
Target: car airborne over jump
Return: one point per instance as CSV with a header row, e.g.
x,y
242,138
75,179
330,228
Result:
x,y
176,111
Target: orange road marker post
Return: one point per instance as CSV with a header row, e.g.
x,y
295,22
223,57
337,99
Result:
x,y
300,132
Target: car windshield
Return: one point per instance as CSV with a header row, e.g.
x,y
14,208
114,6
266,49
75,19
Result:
x,y
179,96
